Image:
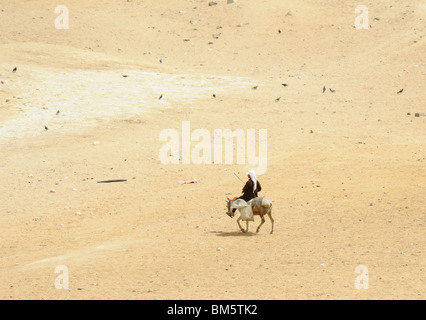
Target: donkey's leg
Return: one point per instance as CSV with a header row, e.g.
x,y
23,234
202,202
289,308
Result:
x,y
272,221
246,227
261,223
238,221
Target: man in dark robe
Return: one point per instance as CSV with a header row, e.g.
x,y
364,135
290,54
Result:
x,y
250,189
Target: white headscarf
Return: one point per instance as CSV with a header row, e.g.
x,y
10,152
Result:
x,y
252,175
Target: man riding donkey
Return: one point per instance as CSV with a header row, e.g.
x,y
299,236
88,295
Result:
x,y
249,204
250,190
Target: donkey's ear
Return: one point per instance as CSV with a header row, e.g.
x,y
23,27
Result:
x,y
227,200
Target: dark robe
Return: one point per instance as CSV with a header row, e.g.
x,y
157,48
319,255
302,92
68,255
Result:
x,y
248,193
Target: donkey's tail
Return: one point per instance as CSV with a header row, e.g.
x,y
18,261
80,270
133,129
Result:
x,y
270,208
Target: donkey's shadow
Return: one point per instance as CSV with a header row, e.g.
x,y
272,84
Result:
x,y
233,234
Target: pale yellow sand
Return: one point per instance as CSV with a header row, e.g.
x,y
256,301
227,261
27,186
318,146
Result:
x,y
346,170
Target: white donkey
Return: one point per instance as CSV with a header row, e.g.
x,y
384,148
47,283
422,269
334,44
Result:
x,y
259,206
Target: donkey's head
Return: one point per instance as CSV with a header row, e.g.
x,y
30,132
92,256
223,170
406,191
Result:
x,y
228,204
235,204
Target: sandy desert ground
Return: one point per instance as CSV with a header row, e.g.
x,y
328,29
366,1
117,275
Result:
x,y
345,169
